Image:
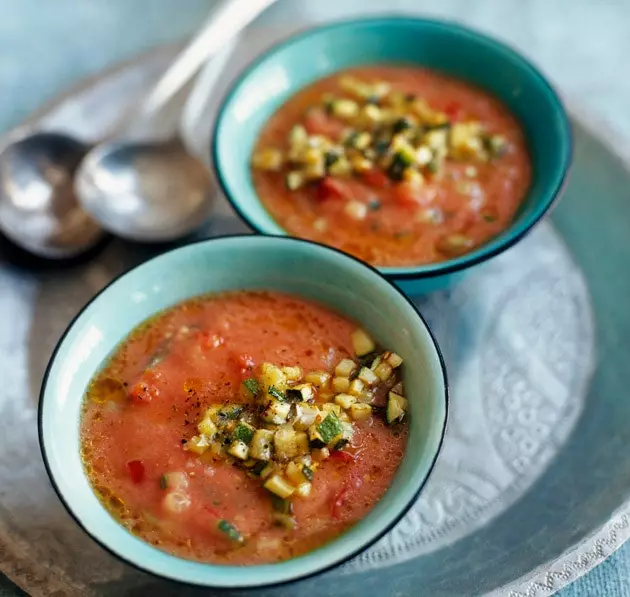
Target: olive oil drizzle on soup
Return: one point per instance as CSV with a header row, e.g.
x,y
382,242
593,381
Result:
x,y
244,428
398,166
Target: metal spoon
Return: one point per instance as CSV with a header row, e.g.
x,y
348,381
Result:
x,y
141,190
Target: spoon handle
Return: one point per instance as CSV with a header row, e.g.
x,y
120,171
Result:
x,y
225,22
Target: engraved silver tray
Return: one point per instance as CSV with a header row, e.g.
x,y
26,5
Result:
x,y
532,487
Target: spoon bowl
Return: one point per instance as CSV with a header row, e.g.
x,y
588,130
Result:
x,y
144,191
38,207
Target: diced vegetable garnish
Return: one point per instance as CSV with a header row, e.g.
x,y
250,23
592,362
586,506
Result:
x,y
230,531
292,419
243,432
396,408
284,520
279,486
252,387
330,428
175,502
362,342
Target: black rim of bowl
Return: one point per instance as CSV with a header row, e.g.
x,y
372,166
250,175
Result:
x,y
346,558
443,267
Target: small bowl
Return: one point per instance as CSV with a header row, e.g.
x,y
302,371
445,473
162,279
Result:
x,y
442,46
231,263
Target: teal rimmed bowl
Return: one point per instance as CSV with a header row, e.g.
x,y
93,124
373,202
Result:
x,y
231,263
443,46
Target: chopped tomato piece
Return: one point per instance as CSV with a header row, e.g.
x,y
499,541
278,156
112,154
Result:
x,y
337,503
330,188
453,110
376,178
412,194
146,389
135,468
317,122
211,340
243,362
342,456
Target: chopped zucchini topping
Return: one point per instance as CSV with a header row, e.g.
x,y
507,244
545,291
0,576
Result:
x,y
385,130
290,421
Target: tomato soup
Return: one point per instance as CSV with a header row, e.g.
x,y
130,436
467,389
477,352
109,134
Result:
x,y
398,166
244,428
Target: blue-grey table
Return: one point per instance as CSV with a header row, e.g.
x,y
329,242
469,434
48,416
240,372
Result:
x,y
46,46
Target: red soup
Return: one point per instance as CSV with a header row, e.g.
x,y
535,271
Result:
x,y
398,166
244,428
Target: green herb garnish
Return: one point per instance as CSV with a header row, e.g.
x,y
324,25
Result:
x,y
230,530
243,433
308,473
163,481
252,385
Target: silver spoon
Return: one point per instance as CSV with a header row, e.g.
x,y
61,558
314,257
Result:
x,y
145,190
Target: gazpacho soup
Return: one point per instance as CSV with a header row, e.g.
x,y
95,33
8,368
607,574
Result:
x,y
399,166
244,428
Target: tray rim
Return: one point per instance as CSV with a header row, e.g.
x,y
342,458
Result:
x,y
577,559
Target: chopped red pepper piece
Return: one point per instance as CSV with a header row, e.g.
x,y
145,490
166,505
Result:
x,y
342,455
376,178
135,469
337,503
330,188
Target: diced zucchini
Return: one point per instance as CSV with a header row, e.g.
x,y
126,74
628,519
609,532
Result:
x,y
341,384
413,176
356,210
301,442
360,412
423,155
301,393
294,180
341,167
315,437
345,368
175,502
497,145
261,445
281,505
276,412
270,375
383,371
250,388
392,359
243,432
368,377
308,472
330,428
267,471
217,450
198,444
313,156
285,443
295,474
268,159
330,407
436,139
229,412
344,108
230,531
298,137
362,342
284,520
396,408
361,140
292,373
207,427
279,486
318,378
371,114
174,481
454,244
239,450
345,400
357,388
305,416
361,164
320,454
303,490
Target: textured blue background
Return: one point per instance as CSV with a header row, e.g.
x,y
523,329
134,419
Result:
x,y
47,45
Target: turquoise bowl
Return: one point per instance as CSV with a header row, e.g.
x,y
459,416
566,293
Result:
x,y
232,263
442,46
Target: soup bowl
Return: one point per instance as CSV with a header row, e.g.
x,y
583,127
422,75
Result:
x,y
293,266
445,47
